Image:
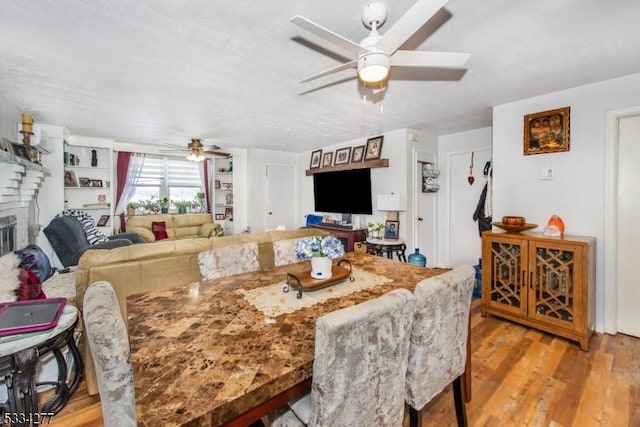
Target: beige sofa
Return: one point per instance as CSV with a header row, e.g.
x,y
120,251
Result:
x,y
141,268
179,226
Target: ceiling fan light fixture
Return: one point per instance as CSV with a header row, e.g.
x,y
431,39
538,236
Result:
x,y
195,157
373,67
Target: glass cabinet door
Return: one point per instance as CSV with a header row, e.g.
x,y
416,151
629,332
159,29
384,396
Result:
x,y
553,274
506,275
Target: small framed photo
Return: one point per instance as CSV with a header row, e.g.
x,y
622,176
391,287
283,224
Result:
x,y
327,159
374,148
70,179
20,151
316,157
96,183
217,184
228,214
219,217
342,156
547,131
84,182
392,230
357,154
104,219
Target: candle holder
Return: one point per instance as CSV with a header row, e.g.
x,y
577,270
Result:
x,y
27,128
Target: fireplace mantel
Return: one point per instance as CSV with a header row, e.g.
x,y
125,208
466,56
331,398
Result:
x,y
19,179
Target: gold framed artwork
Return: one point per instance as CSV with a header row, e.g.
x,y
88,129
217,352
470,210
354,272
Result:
x,y
547,131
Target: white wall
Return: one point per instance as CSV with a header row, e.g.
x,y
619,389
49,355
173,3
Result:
x,y
455,214
383,180
577,194
9,118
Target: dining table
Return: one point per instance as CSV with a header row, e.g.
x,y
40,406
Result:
x,y
230,350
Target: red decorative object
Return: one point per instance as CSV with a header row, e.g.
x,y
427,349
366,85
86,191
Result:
x,y
159,230
30,287
555,226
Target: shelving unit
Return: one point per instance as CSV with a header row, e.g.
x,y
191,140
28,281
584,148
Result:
x,y
542,282
88,187
223,194
377,163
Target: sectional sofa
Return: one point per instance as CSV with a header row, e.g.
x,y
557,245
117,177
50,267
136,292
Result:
x,y
177,226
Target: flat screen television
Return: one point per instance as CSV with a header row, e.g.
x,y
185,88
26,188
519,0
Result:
x,y
346,191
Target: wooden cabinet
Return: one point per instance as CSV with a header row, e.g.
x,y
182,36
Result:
x,y
543,282
348,236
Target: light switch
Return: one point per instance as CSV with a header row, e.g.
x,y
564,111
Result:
x,y
547,173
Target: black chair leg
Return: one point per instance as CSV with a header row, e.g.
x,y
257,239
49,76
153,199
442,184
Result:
x,y
415,420
458,398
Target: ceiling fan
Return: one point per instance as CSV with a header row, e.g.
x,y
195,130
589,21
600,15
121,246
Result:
x,y
197,152
376,53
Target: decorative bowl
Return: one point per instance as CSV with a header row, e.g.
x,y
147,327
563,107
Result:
x,y
514,228
513,220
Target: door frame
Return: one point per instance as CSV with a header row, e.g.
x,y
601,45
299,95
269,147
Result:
x,y
610,216
416,191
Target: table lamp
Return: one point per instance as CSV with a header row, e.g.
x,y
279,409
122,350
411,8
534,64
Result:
x,y
392,204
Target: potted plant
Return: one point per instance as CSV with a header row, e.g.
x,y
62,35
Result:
x,y
181,205
375,229
164,205
320,250
131,208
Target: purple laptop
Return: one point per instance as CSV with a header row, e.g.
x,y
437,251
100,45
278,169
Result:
x,y
20,317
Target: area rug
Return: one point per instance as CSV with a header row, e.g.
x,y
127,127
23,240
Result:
x,y
272,301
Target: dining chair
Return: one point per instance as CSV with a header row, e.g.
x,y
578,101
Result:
x,y
359,366
229,260
438,349
284,252
109,344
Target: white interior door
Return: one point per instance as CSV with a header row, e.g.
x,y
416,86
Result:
x,y
280,191
628,225
424,236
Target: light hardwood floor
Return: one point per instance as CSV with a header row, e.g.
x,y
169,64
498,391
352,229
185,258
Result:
x,y
521,377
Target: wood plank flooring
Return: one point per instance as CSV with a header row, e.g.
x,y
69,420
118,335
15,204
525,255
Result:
x,y
521,377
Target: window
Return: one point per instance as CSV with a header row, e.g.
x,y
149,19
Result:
x,y
171,178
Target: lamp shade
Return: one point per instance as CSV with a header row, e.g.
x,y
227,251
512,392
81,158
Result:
x,y
373,67
391,202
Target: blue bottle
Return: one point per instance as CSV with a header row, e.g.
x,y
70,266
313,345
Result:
x,y
417,258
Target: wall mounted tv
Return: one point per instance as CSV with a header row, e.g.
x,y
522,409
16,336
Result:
x,y
346,191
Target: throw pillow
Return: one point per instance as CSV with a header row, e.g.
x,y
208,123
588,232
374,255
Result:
x,y
30,287
9,281
159,229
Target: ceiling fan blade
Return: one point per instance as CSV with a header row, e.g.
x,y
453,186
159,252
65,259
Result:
x,y
217,153
415,58
408,24
345,66
328,35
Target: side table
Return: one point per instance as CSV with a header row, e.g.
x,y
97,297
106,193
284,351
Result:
x,y
382,247
19,355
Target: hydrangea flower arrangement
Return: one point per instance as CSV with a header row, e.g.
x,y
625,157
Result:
x,y
319,246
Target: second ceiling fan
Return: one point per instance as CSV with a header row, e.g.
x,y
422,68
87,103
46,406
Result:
x,y
196,151
376,53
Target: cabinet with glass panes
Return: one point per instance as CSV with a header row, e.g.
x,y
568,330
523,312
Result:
x,y
543,282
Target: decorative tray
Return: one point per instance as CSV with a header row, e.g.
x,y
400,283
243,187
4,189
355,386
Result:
x,y
514,228
304,282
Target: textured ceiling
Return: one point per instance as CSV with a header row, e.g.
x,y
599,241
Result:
x,y
151,71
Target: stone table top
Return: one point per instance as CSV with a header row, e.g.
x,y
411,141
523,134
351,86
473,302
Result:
x,y
203,355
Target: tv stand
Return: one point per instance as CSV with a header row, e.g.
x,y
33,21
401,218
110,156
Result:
x,y
348,237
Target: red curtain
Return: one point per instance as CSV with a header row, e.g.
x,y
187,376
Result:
x,y
122,169
207,190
